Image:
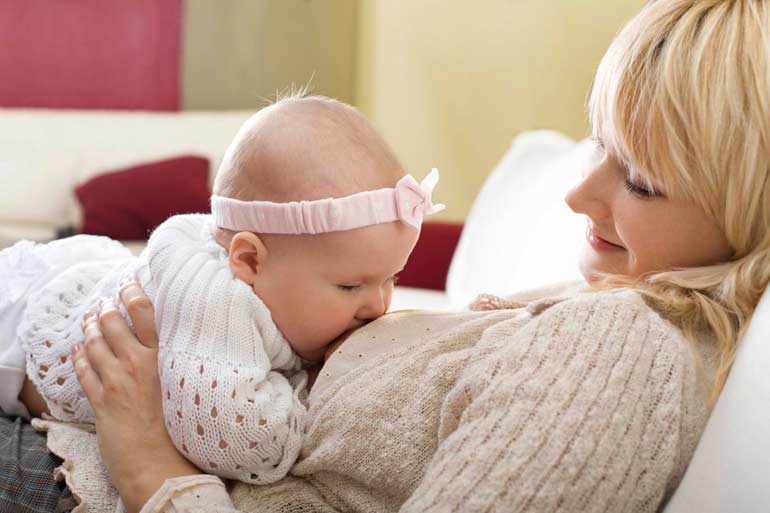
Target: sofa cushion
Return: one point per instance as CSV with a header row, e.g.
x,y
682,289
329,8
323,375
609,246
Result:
x,y
730,468
129,203
429,262
520,233
37,186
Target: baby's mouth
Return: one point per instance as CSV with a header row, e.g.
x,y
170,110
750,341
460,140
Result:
x,y
355,325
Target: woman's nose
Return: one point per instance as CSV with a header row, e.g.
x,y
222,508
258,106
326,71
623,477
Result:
x,y
591,195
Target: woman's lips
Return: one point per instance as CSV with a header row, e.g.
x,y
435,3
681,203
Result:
x,y
600,244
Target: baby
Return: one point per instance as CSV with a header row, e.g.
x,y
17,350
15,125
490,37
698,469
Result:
x,y
243,296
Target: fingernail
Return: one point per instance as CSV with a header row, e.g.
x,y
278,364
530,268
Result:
x,y
84,320
107,303
75,349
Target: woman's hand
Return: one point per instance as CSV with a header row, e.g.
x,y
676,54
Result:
x,y
119,374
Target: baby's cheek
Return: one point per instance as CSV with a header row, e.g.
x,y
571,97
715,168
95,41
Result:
x,y
317,329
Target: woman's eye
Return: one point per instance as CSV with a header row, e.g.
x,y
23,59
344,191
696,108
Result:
x,y
641,192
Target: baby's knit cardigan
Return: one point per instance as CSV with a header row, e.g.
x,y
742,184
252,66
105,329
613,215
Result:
x,y
231,383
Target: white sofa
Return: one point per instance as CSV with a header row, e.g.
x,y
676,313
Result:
x,y
44,154
518,235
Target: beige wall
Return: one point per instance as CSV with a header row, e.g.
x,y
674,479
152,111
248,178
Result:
x,y
448,82
451,82
238,52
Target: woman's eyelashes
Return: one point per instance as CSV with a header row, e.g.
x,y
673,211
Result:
x,y
645,192
637,190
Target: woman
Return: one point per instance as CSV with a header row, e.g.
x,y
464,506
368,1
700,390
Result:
x,y
581,401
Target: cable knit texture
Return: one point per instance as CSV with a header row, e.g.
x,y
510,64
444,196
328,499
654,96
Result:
x,y
587,403
231,383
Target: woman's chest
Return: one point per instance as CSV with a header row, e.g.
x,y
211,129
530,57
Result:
x,y
376,411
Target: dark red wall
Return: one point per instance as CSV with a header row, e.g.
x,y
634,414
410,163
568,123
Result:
x,y
90,54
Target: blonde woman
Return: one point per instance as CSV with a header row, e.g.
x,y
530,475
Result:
x,y
587,399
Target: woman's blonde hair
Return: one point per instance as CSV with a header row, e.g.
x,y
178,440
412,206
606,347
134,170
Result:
x,y
683,96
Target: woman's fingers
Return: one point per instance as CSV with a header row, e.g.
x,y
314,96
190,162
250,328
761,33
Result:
x,y
89,380
115,330
142,313
100,357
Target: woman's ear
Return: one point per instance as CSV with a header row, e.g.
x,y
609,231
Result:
x,y
247,253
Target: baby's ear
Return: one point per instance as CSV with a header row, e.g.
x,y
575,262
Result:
x,y
246,254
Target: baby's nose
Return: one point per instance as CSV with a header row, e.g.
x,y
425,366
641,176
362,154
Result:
x,y
375,306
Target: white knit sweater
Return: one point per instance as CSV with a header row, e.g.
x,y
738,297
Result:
x,y
231,382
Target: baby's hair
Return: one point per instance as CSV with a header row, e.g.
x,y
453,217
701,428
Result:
x,y
683,96
305,147
292,92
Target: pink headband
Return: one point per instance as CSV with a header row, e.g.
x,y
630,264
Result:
x,y
409,201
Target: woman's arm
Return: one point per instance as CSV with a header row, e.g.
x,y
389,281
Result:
x,y
119,374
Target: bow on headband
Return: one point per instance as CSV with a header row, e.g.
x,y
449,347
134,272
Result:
x,y
409,202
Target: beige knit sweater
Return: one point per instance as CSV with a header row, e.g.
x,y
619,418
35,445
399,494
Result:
x,y
589,403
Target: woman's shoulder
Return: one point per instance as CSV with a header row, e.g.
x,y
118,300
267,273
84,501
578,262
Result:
x,y
621,315
577,308
607,303
592,322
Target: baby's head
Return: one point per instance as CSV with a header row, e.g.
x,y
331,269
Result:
x,y
316,285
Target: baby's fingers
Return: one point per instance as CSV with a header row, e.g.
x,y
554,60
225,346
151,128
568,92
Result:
x,y
88,378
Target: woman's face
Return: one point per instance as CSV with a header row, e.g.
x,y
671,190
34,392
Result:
x,y
633,230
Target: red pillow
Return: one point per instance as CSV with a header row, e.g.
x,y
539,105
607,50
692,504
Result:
x,y
429,263
129,203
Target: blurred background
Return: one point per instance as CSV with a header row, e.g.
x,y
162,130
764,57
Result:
x,y
448,82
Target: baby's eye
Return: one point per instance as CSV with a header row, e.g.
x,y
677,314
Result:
x,y
348,288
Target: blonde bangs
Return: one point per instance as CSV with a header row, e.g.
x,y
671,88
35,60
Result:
x,y
658,99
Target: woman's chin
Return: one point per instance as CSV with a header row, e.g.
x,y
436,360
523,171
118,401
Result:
x,y
593,266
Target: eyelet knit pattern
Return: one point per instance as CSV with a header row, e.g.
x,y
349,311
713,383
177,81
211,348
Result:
x,y
71,276
232,386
